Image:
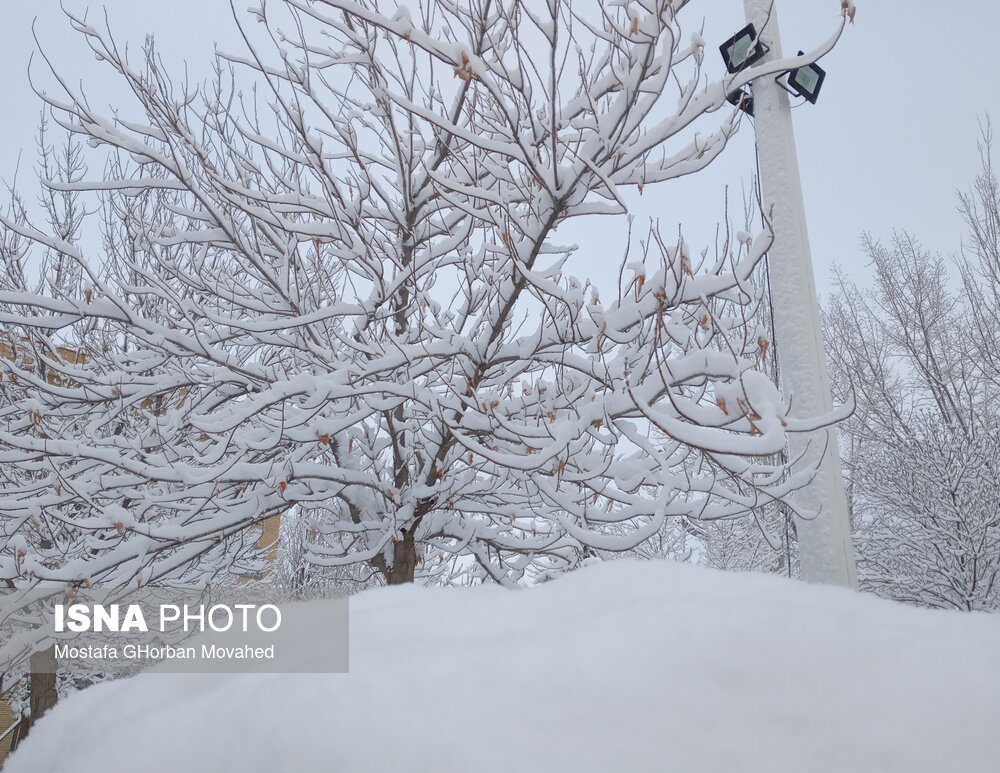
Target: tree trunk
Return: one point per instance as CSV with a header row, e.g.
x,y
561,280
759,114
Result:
x,y
43,694
404,560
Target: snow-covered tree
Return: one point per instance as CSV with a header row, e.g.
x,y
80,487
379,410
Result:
x,y
918,352
980,263
31,354
331,280
928,511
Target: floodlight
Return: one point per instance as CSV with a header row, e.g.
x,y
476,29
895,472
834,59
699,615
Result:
x,y
807,81
742,49
742,99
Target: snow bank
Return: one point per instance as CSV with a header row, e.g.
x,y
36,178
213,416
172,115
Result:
x,y
618,667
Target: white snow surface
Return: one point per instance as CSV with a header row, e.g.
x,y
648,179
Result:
x,y
620,666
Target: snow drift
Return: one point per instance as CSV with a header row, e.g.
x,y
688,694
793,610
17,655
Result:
x,y
618,667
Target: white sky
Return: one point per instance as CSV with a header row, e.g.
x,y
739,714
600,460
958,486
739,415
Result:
x,y
891,140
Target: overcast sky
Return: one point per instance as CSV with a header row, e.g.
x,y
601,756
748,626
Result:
x,y
889,143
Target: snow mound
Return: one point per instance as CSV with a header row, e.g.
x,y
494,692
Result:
x,y
618,667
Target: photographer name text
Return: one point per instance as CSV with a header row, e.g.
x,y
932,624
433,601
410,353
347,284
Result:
x,y
162,652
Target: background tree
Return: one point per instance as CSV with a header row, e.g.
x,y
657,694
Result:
x,y
31,354
918,350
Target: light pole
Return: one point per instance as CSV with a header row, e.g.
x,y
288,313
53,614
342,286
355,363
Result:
x,y
826,553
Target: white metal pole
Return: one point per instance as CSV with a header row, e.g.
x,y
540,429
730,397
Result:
x,y
826,553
